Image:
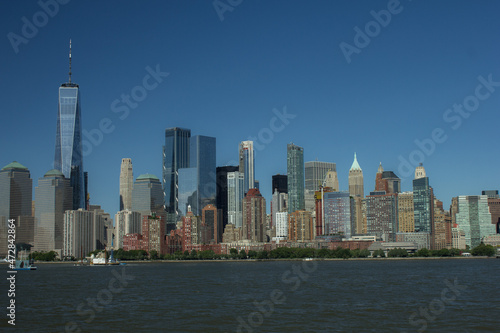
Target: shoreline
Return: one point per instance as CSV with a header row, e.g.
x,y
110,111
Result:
x,y
268,260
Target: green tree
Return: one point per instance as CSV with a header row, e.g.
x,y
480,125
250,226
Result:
x,y
364,253
397,253
483,250
252,254
153,255
193,255
423,253
322,253
243,254
233,253
379,253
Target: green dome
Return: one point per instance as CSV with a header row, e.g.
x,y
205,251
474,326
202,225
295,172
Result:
x,y
147,176
15,165
54,173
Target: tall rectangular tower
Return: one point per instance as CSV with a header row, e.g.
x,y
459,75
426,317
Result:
x,y
68,153
175,157
295,170
247,162
126,184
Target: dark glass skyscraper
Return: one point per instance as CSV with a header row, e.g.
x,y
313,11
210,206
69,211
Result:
x,y
203,153
280,183
68,156
295,170
222,190
175,157
423,202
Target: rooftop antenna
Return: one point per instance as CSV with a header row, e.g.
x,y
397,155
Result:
x,y
70,60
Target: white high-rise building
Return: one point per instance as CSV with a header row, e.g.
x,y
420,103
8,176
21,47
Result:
x,y
126,184
235,194
126,222
279,203
281,226
78,233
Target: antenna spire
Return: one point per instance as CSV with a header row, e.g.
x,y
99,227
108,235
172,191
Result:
x,y
70,60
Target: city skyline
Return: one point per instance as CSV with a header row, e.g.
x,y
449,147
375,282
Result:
x,y
415,89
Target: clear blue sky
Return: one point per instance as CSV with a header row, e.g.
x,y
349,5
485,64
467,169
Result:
x,y
226,77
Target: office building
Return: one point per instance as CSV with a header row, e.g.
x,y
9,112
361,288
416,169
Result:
x,y
406,216
338,217
281,221
279,203
235,195
202,160
247,164
423,201
78,233
254,216
300,226
15,202
175,156
295,171
68,148
147,196
126,222
53,196
126,184
356,187
221,199
280,183
315,173
474,218
382,215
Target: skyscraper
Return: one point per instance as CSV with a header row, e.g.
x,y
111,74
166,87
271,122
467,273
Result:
x,y
356,188
406,215
280,183
147,196
202,158
382,215
126,184
15,200
295,170
175,156
221,193
247,164
53,196
387,181
68,154
300,226
235,195
254,216
474,218
423,202
126,222
338,217
315,173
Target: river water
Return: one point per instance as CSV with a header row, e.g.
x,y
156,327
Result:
x,y
460,295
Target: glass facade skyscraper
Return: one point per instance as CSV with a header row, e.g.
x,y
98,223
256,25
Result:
x,y
147,195
474,218
338,217
235,195
295,170
175,157
247,164
68,156
423,202
203,154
